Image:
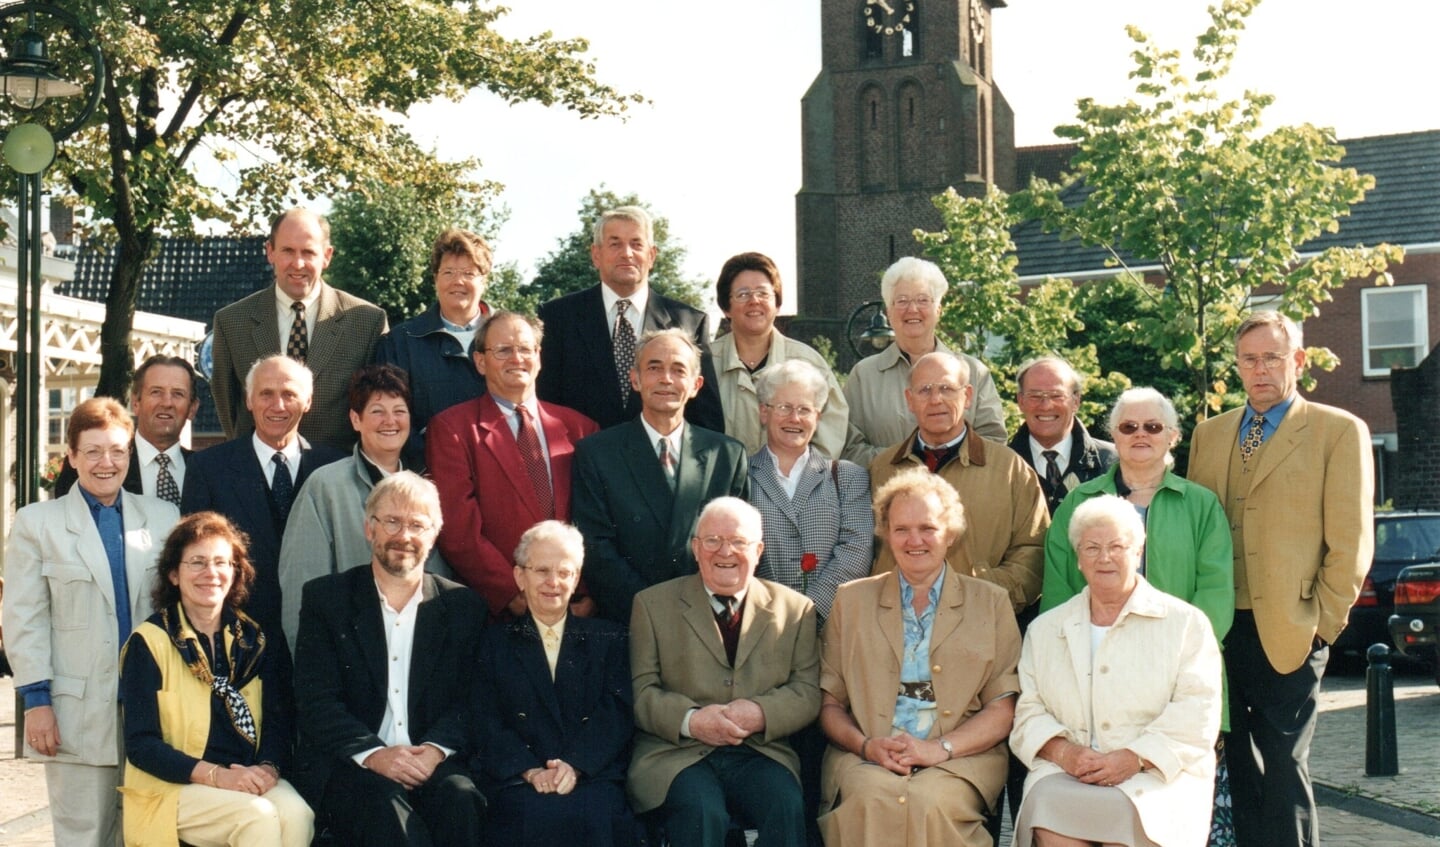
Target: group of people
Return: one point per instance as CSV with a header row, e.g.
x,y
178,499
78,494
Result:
x,y
494,578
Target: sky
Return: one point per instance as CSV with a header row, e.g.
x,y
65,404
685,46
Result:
x,y
717,149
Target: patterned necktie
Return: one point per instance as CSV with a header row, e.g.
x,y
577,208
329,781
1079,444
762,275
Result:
x,y
933,457
1253,437
165,487
624,342
282,486
299,345
667,462
1052,470
728,613
534,459
551,639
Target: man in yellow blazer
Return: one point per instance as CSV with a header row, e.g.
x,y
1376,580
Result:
x,y
725,667
1296,480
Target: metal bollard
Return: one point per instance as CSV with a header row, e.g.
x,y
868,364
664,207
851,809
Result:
x,y
1381,750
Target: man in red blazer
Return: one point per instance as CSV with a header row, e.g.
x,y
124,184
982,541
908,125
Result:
x,y
502,463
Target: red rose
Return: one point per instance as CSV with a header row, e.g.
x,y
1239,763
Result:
x,y
809,562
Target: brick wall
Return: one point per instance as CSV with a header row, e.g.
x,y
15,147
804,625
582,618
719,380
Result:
x,y
1416,399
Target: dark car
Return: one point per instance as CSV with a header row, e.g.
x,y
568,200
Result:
x,y
1414,625
1402,539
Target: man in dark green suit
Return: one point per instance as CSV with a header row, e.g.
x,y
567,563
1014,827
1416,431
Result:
x,y
639,486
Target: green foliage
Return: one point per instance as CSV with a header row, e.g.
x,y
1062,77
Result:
x,y
1180,178
312,91
568,268
507,290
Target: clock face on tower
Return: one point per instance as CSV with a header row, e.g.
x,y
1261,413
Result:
x,y
888,17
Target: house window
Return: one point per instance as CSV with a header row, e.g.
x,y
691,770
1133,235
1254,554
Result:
x,y
1395,329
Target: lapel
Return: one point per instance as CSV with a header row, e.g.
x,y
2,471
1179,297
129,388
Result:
x,y
265,335
644,466
1289,435
1076,632
430,637
701,620
816,474
329,335
576,673
657,314
890,619
952,596
1227,431
757,620
253,493
559,445
528,652
593,328
495,437
368,629
88,546
139,548
764,476
692,476
133,483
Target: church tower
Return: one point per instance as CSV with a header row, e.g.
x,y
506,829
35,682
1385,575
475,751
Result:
x,y
904,106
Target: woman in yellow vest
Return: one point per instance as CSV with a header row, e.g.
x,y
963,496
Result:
x,y
207,727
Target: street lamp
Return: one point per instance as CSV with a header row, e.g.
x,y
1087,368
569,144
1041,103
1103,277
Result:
x,y
877,334
29,81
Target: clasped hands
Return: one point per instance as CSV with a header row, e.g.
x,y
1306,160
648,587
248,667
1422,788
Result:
x,y
727,724
903,753
1095,768
409,765
251,779
557,777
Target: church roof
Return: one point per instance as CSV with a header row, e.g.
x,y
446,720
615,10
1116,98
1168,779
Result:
x,y
1403,208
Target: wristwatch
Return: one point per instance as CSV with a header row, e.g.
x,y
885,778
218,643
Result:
x,y
948,748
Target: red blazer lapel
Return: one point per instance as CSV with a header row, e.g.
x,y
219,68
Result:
x,y
560,445
495,437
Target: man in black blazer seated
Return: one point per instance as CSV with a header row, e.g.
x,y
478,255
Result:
x,y
383,667
637,515
163,400
589,338
252,480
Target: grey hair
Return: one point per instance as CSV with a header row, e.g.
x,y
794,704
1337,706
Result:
x,y
563,534
1268,317
792,371
1106,509
735,506
623,213
1068,373
406,488
672,332
301,373
908,268
537,326
1144,394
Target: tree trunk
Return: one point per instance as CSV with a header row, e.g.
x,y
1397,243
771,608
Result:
x,y
117,363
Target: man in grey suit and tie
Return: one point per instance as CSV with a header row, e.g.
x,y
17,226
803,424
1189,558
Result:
x,y
329,331
639,486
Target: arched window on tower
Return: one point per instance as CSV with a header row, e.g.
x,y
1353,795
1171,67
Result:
x,y
876,146
912,149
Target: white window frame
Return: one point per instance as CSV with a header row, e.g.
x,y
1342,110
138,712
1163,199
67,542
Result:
x,y
1421,341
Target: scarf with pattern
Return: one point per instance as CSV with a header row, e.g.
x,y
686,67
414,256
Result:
x,y
247,646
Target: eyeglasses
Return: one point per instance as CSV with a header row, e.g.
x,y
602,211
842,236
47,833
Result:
x,y
787,409
463,276
199,564
713,543
1271,361
1116,550
759,295
392,526
1046,396
545,572
921,303
506,353
93,455
1132,427
943,389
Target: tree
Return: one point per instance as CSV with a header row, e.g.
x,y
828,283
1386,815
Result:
x,y
1182,178
568,268
311,90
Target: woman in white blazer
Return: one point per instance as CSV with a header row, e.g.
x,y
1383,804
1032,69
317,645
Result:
x,y
67,563
1119,702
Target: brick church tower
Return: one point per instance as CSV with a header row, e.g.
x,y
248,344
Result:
x,y
904,107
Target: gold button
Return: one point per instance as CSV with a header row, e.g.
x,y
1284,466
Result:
x,y
934,669
947,713
902,801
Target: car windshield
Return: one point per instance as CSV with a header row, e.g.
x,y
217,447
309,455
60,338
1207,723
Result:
x,y
1407,539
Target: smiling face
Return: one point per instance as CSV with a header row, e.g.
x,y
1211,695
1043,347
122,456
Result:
x,y
548,579
278,400
624,256
400,553
787,430
913,313
299,253
163,405
1049,403
918,537
511,378
205,576
752,306
666,376
1268,385
459,285
1109,560
384,425
1142,449
100,459
938,397
728,569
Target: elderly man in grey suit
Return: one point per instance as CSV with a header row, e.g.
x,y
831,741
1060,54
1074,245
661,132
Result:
x,y
329,331
725,667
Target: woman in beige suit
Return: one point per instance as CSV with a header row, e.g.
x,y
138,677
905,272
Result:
x,y
1119,703
79,570
918,677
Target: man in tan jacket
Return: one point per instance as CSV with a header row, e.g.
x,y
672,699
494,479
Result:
x,y
1297,482
1005,508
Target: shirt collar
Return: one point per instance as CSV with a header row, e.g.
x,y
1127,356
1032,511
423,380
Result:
x,y
1273,416
717,606
94,503
264,452
1062,453
530,403
654,435
907,591
286,301
558,627
638,302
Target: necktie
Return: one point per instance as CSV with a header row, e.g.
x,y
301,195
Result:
x,y
298,346
534,459
1052,470
1251,442
667,462
165,486
551,639
282,486
624,342
933,457
728,613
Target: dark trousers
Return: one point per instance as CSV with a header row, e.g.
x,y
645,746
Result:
x,y
759,790
1272,720
366,809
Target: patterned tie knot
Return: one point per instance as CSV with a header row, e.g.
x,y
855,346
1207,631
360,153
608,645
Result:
x,y
163,460
624,348
165,487
297,346
551,637
1254,437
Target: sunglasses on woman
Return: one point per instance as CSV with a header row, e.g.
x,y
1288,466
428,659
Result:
x,y
1131,427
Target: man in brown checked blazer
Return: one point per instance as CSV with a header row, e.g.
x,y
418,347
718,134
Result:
x,y
1297,483
329,331
725,667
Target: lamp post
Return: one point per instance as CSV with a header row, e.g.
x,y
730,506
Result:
x,y
877,334
29,82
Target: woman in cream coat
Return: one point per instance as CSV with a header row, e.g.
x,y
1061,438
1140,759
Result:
x,y
1119,703
62,628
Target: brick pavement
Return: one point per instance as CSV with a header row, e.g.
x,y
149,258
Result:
x,y
1356,811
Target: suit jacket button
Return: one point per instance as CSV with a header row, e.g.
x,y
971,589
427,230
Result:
x,y
934,669
729,683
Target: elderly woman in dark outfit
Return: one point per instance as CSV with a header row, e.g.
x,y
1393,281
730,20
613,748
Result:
x,y
553,701
207,726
